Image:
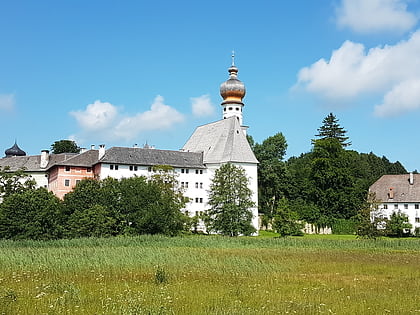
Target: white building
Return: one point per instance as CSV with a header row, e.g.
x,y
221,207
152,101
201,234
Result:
x,y
398,193
206,150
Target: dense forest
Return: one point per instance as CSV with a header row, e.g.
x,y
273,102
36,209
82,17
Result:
x,y
326,186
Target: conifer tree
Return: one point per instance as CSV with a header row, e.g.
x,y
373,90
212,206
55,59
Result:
x,y
332,129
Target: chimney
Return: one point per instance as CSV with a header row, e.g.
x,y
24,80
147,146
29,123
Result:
x,y
101,151
411,180
391,193
45,157
92,147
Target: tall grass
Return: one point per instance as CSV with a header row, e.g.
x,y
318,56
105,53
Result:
x,y
210,275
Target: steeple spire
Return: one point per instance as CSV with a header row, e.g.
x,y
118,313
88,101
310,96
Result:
x,y
232,91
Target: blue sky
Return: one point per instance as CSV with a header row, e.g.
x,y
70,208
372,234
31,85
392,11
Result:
x,y
126,72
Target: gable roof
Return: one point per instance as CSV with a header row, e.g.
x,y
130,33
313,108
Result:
x,y
85,159
30,163
151,157
221,142
402,190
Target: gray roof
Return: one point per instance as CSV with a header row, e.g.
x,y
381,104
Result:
x,y
29,163
151,157
85,159
221,142
402,190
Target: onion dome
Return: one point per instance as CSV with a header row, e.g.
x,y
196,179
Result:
x,y
14,151
232,90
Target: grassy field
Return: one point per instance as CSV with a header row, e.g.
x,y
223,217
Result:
x,y
210,275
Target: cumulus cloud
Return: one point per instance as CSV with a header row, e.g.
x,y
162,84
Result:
x,y
402,98
106,120
368,16
352,71
159,117
7,102
96,116
202,106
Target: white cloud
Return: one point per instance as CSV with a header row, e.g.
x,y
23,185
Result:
x,y
402,98
7,102
97,116
106,121
368,16
352,72
159,117
202,106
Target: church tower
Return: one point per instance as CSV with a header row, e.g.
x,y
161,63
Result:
x,y
233,91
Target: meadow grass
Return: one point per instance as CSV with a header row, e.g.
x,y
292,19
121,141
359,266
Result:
x,y
210,275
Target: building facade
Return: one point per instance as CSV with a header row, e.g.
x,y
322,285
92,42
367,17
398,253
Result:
x,y
209,147
398,193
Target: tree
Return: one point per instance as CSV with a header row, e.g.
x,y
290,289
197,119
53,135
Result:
x,y
64,146
271,172
14,182
95,221
286,222
368,221
31,214
230,202
397,225
332,129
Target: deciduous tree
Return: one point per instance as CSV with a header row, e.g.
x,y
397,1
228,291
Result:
x,y
230,201
65,146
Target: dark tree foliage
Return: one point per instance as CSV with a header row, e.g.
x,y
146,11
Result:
x,y
132,205
31,214
286,221
271,172
230,202
331,129
64,146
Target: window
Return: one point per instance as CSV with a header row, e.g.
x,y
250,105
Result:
x,y
201,200
201,171
186,184
417,220
77,181
116,167
182,170
201,185
131,167
187,171
196,200
237,108
89,169
405,206
230,108
396,207
67,182
416,206
111,167
385,207
68,168
196,185
196,171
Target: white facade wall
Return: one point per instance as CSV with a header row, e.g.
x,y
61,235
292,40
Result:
x,y
41,178
411,209
195,184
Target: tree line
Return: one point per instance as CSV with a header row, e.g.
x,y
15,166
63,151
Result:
x,y
129,206
327,186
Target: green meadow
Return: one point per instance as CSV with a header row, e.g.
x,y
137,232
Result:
x,y
210,275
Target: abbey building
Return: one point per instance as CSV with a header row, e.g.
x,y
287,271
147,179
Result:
x,y
209,147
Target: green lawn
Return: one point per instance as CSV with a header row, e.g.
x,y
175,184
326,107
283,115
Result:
x,y
211,275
